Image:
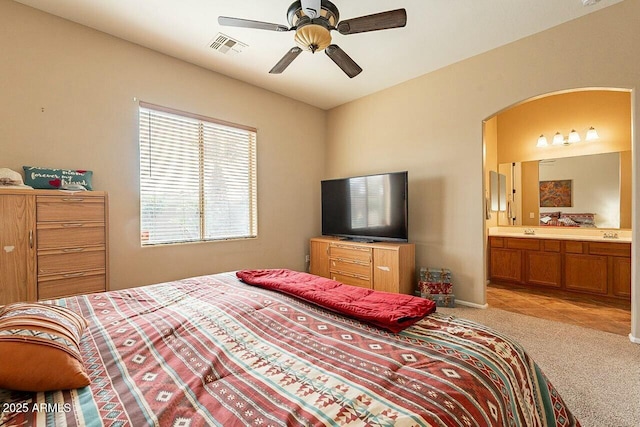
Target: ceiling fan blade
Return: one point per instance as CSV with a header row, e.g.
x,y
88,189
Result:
x,y
343,60
379,21
247,23
286,60
311,8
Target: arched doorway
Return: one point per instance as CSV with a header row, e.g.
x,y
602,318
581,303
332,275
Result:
x,y
518,162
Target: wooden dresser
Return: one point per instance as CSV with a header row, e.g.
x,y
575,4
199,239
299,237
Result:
x,y
381,266
590,267
60,241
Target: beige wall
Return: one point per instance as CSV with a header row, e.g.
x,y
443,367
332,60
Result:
x,y
66,101
432,127
530,191
491,160
626,188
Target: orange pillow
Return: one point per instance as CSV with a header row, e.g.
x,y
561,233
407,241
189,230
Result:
x,y
39,348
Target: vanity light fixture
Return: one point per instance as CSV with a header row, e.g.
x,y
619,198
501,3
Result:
x,y
574,136
558,139
592,134
542,141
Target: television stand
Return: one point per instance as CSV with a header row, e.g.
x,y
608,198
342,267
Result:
x,y
382,266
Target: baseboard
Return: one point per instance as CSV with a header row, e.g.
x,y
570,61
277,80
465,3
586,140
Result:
x,y
633,339
472,304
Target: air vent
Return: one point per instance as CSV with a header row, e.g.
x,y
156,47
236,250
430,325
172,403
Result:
x,y
227,45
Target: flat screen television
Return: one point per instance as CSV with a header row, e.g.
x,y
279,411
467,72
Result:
x,y
366,208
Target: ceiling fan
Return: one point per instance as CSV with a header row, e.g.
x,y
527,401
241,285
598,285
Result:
x,y
313,21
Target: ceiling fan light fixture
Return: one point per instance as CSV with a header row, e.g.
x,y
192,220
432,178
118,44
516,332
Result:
x,y
296,15
313,21
313,37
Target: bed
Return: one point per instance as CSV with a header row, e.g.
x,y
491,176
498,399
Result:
x,y
214,350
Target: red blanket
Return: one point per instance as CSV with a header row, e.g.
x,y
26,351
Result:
x,y
386,310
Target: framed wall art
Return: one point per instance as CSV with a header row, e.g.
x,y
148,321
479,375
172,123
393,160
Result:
x,y
555,194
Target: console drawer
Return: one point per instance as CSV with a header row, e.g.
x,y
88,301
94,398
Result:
x,y
351,279
353,252
359,268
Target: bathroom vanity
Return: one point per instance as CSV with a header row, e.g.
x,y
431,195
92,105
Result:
x,y
597,263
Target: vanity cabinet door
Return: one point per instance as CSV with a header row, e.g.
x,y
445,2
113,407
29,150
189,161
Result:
x,y
586,273
543,269
17,248
621,276
506,264
319,257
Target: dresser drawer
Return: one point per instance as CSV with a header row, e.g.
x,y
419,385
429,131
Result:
x,y
359,268
356,253
73,284
70,260
70,235
353,280
70,208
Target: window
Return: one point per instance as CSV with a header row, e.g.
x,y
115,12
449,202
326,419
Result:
x,y
197,178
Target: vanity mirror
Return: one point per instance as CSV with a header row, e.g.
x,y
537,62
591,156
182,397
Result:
x,y
498,186
582,191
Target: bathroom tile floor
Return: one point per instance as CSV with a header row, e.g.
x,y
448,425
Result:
x,y
587,311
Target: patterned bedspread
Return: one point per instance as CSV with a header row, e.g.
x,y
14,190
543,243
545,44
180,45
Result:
x,y
214,351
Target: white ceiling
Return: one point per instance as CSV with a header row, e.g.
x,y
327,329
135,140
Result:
x,y
438,33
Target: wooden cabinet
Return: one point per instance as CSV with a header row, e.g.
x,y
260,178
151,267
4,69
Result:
x,y
394,269
506,264
381,266
586,273
17,247
543,263
621,277
593,267
62,241
319,257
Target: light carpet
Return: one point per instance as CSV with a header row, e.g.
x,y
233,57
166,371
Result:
x,y
596,373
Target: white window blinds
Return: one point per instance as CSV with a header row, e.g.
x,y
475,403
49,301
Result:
x,y
197,178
